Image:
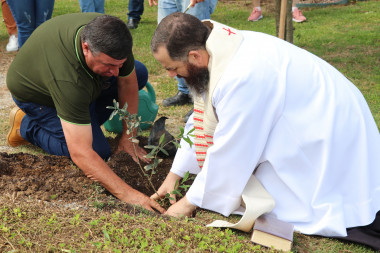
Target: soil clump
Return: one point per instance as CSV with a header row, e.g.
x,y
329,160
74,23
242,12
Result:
x,y
52,178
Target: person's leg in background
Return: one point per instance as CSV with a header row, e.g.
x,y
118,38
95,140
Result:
x,y
200,10
23,13
256,13
99,6
87,6
43,11
165,8
182,97
11,26
212,6
91,6
29,14
135,11
297,14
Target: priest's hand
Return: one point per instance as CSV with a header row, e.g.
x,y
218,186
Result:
x,y
168,186
182,208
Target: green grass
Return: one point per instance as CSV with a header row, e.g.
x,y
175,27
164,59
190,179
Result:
x,y
345,36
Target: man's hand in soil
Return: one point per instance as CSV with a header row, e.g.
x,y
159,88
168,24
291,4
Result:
x,y
79,142
182,208
167,187
128,93
137,198
133,149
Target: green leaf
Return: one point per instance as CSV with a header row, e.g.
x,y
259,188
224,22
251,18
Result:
x,y
150,155
167,196
156,161
192,130
176,192
106,235
176,184
164,151
115,104
185,177
187,139
161,139
185,187
148,167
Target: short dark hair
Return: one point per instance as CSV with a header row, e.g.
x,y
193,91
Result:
x,y
180,33
109,35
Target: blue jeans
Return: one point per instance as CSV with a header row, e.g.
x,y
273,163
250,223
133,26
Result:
x,y
202,10
42,127
136,9
29,14
91,6
182,86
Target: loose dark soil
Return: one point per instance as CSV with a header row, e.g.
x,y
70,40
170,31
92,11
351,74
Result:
x,y
57,179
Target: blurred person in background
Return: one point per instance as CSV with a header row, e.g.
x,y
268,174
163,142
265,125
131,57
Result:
x,y
136,9
92,6
256,13
11,26
29,14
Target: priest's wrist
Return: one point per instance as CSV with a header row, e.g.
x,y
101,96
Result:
x,y
188,205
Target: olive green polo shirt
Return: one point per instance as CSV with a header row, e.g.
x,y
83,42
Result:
x,y
50,69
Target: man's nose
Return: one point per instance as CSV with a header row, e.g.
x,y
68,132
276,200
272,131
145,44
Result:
x,y
115,71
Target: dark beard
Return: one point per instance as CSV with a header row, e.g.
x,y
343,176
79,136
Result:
x,y
197,80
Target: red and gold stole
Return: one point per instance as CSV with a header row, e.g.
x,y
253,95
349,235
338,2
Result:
x,y
221,46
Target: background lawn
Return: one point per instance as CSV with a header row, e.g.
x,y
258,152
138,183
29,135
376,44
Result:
x,y
347,36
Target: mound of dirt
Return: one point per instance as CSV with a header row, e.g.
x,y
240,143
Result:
x,y
55,178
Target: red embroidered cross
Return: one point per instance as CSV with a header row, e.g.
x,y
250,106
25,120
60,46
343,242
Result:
x,y
229,31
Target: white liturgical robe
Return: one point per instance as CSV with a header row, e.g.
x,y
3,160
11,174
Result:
x,y
301,127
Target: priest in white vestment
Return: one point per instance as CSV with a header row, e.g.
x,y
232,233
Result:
x,y
266,107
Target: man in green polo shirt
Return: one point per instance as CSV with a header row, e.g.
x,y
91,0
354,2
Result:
x,y
62,79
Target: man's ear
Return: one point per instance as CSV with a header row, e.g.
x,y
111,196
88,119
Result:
x,y
85,48
195,57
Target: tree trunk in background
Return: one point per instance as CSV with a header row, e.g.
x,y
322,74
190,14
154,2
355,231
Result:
x,y
288,20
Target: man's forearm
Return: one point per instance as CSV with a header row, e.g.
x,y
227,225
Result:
x,y
128,92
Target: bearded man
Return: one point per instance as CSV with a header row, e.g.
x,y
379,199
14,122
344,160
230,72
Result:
x,y
268,109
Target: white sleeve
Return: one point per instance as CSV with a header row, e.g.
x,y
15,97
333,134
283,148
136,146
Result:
x,y
246,112
185,159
